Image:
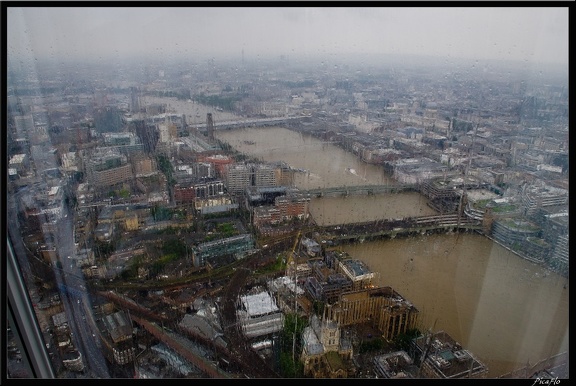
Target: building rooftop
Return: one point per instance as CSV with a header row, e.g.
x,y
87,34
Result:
x,y
200,323
17,158
480,194
394,365
118,326
448,357
259,304
356,267
313,345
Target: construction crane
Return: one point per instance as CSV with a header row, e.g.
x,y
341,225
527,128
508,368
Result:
x,y
427,344
291,258
291,264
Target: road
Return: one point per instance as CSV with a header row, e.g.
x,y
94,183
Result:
x,y
75,299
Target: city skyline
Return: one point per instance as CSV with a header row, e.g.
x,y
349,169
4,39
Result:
x,y
529,34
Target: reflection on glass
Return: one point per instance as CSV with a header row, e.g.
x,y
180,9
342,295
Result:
x,y
298,192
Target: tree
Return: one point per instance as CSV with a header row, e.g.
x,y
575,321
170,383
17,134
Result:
x,y
160,213
402,341
174,246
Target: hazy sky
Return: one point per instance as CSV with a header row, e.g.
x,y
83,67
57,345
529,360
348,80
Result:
x,y
536,34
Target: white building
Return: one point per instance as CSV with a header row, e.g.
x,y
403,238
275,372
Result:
x,y
259,315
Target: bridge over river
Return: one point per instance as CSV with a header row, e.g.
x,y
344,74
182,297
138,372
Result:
x,y
359,232
360,190
254,122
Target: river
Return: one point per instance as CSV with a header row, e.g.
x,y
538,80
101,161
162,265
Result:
x,y
504,309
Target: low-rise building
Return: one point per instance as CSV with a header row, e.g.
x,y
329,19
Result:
x,y
381,307
357,272
259,315
326,285
394,365
235,245
539,195
218,204
118,337
514,232
439,356
204,324
19,162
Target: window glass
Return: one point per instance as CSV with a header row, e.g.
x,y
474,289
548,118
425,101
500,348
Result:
x,y
262,192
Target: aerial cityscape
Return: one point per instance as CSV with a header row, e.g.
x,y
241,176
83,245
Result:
x,y
290,216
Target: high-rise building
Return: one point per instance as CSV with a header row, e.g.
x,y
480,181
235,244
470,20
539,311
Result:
x,y
238,178
241,176
209,126
264,175
108,168
147,134
134,100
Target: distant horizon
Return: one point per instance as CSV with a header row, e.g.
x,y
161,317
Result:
x,y
536,35
349,62
341,58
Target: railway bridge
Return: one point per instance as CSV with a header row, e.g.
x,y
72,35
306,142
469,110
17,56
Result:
x,y
360,190
404,226
254,122
205,365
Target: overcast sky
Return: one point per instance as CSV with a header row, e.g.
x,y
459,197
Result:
x,y
535,34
